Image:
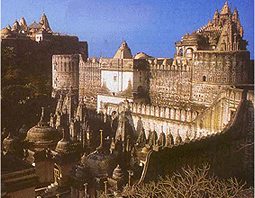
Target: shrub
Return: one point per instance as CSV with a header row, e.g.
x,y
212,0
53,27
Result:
x,y
190,182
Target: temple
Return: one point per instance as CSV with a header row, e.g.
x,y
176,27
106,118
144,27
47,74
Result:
x,y
127,120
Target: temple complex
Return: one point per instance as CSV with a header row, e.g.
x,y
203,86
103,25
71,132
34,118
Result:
x,y
127,120
37,42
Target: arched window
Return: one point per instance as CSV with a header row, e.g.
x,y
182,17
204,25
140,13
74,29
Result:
x,y
181,52
189,53
204,78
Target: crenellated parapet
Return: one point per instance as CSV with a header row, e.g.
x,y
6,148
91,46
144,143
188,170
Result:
x,y
173,113
117,64
170,81
169,64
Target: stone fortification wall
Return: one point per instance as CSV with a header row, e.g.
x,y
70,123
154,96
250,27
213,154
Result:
x,y
170,84
214,71
89,81
116,64
230,152
188,122
65,73
215,118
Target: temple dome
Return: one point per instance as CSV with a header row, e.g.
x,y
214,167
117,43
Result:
x,y
118,173
44,22
141,55
79,175
6,31
42,134
100,163
123,52
63,146
10,143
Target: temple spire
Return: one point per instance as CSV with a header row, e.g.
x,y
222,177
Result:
x,y
44,22
216,17
225,9
42,119
235,16
22,22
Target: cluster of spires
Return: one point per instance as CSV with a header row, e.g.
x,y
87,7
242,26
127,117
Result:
x,y
219,19
22,27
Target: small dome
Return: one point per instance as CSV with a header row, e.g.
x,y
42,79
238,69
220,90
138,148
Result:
x,y
42,133
23,131
9,143
118,173
64,145
141,55
100,163
79,175
35,25
6,31
13,145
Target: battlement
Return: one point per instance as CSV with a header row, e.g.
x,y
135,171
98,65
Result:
x,y
122,64
173,113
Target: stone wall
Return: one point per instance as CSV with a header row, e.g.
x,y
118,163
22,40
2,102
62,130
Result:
x,y
229,153
170,84
89,82
187,121
213,72
65,72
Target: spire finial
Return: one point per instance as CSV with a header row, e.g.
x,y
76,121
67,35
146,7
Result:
x,y
101,139
101,148
42,115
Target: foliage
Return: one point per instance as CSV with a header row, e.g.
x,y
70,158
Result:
x,y
23,92
190,182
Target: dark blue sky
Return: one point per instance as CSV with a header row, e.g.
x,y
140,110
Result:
x,y
151,26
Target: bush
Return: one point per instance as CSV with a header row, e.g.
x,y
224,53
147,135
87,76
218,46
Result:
x,y
190,182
